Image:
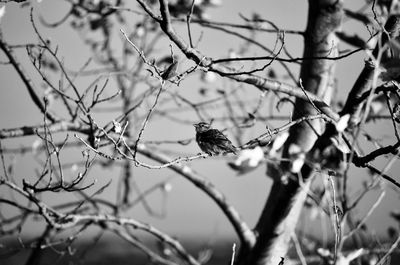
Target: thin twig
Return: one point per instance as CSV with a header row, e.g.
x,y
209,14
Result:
x,y
389,252
298,249
233,253
188,19
337,228
146,121
365,218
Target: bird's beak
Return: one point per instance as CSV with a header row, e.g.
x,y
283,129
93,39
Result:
x,y
195,125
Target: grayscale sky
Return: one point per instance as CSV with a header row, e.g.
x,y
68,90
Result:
x,y
189,211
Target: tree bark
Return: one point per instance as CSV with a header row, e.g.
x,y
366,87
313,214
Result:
x,y
363,83
283,206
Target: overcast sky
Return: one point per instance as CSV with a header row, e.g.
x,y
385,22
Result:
x,y
189,211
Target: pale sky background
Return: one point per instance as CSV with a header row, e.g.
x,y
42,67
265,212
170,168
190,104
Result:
x,y
189,211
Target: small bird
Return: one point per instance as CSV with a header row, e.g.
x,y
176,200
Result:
x,y
212,141
172,69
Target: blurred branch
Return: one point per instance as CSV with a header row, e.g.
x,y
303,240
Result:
x,y
245,234
364,80
120,221
263,84
61,126
25,79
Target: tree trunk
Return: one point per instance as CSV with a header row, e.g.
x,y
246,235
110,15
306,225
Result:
x,y
282,209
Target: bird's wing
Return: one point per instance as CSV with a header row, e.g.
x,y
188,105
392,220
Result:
x,y
214,135
170,72
221,140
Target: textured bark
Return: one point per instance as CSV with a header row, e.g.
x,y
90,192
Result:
x,y
282,209
363,83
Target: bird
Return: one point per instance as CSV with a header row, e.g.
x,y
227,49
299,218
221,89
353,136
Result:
x,y
212,141
171,70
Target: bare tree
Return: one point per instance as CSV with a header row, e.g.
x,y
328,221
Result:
x,y
142,59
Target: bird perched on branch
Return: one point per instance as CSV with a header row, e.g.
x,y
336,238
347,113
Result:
x,y
172,69
212,141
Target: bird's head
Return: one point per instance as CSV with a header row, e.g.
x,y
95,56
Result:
x,y
202,126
